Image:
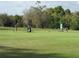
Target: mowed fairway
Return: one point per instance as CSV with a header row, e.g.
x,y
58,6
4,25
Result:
x,y
39,43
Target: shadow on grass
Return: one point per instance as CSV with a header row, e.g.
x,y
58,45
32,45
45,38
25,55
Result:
x,y
9,52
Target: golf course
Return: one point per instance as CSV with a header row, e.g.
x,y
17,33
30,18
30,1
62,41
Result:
x,y
40,43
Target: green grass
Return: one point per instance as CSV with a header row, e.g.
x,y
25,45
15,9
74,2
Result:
x,y
39,43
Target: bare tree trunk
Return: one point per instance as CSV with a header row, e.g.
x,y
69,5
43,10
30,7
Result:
x,y
16,26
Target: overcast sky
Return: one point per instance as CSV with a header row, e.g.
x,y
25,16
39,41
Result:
x,y
17,7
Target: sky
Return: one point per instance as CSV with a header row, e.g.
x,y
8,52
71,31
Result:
x,y
17,7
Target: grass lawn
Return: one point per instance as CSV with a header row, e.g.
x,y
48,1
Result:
x,y
39,43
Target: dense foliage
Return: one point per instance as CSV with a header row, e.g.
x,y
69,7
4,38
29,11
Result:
x,y
42,17
10,21
51,17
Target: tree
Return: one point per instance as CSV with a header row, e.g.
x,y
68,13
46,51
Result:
x,y
18,21
35,15
67,18
27,19
6,20
75,21
67,11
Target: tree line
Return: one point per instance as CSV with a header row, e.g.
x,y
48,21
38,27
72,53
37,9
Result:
x,y
42,17
10,20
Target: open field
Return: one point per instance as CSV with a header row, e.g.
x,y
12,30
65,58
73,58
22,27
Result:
x,y
39,43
